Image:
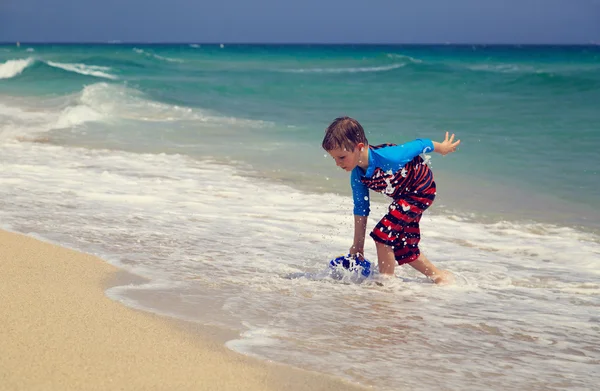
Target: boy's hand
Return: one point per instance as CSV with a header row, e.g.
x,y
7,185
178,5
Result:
x,y
447,146
356,250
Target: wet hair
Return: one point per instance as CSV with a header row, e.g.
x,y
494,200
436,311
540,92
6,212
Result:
x,y
344,133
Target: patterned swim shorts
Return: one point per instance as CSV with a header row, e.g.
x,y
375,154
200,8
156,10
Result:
x,y
399,228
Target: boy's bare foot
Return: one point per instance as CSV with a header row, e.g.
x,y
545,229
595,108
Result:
x,y
444,277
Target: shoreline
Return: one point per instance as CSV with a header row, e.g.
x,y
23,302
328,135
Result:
x,y
60,331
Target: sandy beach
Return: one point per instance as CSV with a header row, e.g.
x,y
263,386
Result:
x,y
60,332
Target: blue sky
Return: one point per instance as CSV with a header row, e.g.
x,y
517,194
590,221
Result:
x,y
312,21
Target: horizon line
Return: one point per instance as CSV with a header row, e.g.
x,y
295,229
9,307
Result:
x,y
118,42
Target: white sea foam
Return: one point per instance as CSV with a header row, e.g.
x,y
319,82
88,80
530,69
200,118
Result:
x,y
31,119
12,68
76,115
216,244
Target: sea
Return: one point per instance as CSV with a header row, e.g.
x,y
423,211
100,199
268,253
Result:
x,y
199,168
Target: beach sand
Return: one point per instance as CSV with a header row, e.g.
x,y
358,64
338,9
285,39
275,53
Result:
x,y
58,331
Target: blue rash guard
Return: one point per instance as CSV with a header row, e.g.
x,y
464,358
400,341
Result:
x,y
387,166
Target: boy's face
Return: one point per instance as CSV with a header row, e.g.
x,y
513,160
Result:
x,y
346,160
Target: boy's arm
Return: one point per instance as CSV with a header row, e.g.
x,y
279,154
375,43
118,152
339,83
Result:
x,y
360,195
360,229
447,146
397,156
404,153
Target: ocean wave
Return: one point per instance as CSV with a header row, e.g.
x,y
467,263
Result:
x,y
13,68
77,115
564,82
113,62
568,77
400,61
121,102
117,101
154,55
397,56
83,69
516,69
100,102
562,69
502,68
31,120
381,68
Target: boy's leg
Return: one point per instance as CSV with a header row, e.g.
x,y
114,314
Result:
x,y
438,276
387,264
393,236
385,258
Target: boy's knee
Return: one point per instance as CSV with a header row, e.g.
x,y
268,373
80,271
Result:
x,y
381,246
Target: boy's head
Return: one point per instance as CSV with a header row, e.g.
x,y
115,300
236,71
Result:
x,y
345,141
344,133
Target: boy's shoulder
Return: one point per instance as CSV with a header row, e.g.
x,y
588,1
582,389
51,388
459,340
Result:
x,y
393,157
379,146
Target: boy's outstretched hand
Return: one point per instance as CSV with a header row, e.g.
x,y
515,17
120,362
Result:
x,y
447,146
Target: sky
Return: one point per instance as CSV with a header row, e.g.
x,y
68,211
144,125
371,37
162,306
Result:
x,y
302,21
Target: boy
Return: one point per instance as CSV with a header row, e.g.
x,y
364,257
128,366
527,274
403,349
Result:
x,y
399,172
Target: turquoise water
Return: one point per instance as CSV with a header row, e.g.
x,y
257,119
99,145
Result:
x,y
528,116
200,167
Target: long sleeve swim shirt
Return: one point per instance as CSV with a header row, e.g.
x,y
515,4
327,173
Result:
x,y
393,170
